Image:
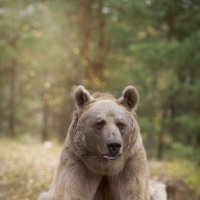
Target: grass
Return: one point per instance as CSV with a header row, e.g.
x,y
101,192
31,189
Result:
x,y
26,169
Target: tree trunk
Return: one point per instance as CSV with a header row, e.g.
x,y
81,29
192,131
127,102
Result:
x,y
12,101
170,22
160,146
86,22
160,149
101,46
92,45
45,131
65,117
13,83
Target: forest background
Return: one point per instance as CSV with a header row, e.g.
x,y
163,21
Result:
x,y
47,48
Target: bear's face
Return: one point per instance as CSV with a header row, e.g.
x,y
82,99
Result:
x,y
106,128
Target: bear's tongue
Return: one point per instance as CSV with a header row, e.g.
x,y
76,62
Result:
x,y
111,157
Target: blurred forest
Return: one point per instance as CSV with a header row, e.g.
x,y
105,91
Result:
x,y
49,47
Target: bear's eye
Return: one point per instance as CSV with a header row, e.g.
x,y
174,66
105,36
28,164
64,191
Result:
x,y
100,124
121,125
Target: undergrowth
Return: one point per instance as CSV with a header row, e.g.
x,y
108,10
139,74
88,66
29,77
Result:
x,y
26,169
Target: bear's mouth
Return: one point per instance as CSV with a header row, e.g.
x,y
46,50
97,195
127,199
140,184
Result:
x,y
111,157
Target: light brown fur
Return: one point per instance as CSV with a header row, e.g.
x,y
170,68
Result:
x,y
84,171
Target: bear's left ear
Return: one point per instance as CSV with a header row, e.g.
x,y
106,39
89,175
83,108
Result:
x,y
130,98
82,96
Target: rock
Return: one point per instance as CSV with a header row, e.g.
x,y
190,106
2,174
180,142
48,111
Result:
x,y
157,190
178,190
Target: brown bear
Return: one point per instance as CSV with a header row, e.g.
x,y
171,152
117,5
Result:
x,y
103,156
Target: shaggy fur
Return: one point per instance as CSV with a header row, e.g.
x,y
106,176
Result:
x,y
103,156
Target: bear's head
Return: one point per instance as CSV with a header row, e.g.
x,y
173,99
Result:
x,y
105,129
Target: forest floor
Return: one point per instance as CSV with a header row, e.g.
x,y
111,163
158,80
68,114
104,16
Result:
x,y
26,169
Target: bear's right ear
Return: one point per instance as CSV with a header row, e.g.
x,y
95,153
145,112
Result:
x,y
82,96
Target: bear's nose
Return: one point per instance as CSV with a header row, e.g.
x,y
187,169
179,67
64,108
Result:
x,y
114,148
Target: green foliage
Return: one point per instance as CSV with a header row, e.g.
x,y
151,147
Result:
x,y
158,50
